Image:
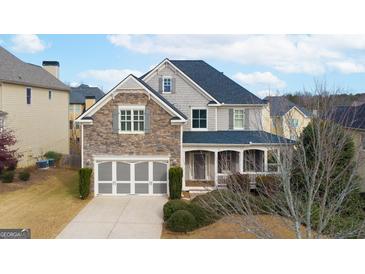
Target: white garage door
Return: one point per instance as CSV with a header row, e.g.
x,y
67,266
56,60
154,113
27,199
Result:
x,y
131,177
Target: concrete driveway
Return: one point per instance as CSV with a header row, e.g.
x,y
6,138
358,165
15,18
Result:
x,y
129,217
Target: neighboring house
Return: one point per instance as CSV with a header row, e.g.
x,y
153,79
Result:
x,y
287,119
182,112
81,98
352,118
34,104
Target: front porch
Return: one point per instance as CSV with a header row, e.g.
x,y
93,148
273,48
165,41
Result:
x,y
207,168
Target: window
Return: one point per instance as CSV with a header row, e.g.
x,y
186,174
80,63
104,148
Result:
x,y
49,94
29,96
167,84
239,117
71,124
272,163
293,123
199,120
363,141
132,120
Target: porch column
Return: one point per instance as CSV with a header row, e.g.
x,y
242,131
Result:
x,y
216,168
240,161
265,160
183,167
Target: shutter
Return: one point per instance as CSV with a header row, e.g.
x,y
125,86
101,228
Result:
x,y
160,85
173,83
247,119
115,120
147,121
230,119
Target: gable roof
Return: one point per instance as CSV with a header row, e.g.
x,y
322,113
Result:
x,y
350,116
218,85
78,94
233,137
279,106
14,70
166,104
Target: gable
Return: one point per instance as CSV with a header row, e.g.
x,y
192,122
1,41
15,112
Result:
x,y
132,84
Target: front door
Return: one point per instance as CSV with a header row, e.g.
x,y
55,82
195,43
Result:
x,y
199,166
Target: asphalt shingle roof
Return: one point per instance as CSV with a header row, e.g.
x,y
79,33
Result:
x,y
350,116
14,70
78,94
232,137
280,105
219,86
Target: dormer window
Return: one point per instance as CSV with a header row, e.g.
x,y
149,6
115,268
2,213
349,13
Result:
x,y
166,84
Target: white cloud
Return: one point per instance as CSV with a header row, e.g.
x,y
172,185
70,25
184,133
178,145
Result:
x,y
310,54
259,78
27,43
266,92
74,84
107,77
347,67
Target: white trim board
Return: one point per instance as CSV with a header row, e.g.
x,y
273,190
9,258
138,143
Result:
x,y
94,108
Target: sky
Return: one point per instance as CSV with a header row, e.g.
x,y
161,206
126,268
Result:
x,y
263,64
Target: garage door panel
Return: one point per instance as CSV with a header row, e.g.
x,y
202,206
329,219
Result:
x,y
123,171
159,188
123,188
141,171
140,188
105,171
105,188
159,171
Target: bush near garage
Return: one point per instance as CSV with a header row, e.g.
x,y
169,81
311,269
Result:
x,y
8,176
84,182
182,221
172,206
175,182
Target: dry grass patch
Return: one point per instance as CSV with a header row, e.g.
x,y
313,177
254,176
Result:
x,y
45,204
236,227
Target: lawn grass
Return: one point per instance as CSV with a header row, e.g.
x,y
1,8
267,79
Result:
x,y
236,227
46,204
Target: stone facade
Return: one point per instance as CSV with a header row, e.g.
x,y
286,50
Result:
x,y
163,138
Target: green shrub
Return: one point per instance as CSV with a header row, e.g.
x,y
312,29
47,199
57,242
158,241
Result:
x,y
172,206
267,184
182,221
202,216
7,176
175,182
84,182
53,155
24,175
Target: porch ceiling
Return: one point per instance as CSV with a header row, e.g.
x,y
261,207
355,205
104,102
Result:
x,y
233,137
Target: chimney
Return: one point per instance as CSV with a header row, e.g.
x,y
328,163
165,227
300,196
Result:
x,y
89,101
53,67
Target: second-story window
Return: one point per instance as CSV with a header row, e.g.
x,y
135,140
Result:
x,y
132,120
29,96
239,118
166,84
199,119
293,123
49,94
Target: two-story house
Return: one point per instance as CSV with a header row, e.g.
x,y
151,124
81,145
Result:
x,y
287,119
182,112
34,104
82,98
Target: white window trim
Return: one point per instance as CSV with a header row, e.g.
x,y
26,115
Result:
x,y
234,119
191,115
163,84
131,108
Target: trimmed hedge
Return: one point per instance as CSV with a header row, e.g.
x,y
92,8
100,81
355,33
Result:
x,y
202,216
84,182
267,184
175,182
24,175
172,206
182,221
7,176
238,182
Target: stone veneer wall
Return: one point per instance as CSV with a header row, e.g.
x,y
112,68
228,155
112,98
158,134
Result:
x,y
163,139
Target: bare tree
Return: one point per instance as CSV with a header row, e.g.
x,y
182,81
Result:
x,y
315,183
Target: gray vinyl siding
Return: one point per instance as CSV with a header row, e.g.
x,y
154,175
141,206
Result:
x,y
255,118
185,97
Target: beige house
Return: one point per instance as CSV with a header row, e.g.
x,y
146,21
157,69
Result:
x,y
81,99
287,119
34,104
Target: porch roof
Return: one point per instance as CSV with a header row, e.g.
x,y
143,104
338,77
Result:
x,y
233,137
